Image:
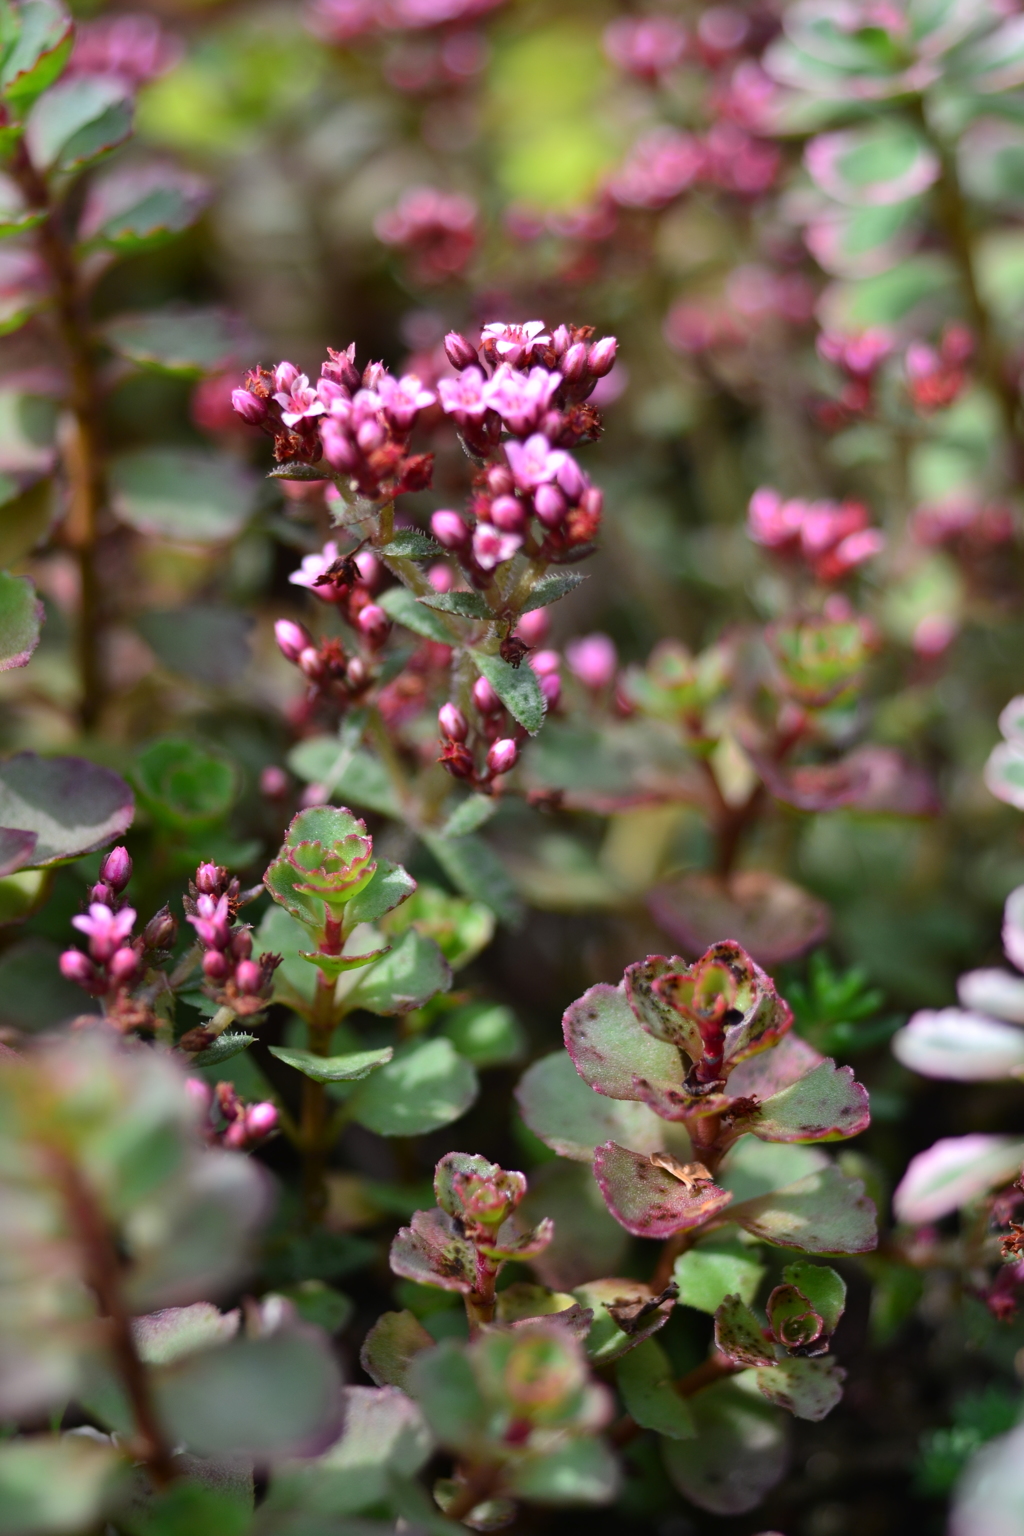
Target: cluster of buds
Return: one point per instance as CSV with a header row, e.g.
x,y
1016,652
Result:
x,y
502,752
858,357
360,423
755,298
666,162
833,538
132,46
963,522
937,375
343,21
437,230
116,960
232,976
227,1120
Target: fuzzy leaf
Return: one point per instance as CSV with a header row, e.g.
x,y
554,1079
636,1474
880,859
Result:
x,y
469,605
40,50
185,785
443,1384
739,1451
516,687
79,120
163,1337
208,642
823,1287
431,1252
72,806
21,615
352,1068
223,1048
470,814
648,1201
717,1268
389,1347
739,1335
773,919
766,1074
826,1212
347,774
826,1105
644,1378
953,1172
56,1483
612,1051
475,869
411,544
808,1389
552,586
426,1085
185,495
413,971
753,1167
614,1335
390,886
989,1499
399,604
572,1119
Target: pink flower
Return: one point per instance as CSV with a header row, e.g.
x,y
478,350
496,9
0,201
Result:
x,y
660,165
646,46
859,355
491,547
463,396
521,399
534,462
313,570
513,344
132,46
212,921
438,228
402,399
298,400
593,659
771,520
106,930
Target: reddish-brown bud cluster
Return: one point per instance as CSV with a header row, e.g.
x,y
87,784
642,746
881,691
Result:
x,y
231,975
500,753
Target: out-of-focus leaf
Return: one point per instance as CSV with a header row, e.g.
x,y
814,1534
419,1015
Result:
x,y
1004,773
205,642
349,774
33,993
635,762
825,1212
15,216
163,1337
644,1378
719,1267
612,1051
617,1327
21,615
874,780
572,1119
192,1509
460,928
862,242
51,1484
953,1172
184,495
964,1047
352,1068
400,605
443,1383
469,814
753,1168
825,1105
16,849
183,784
486,1034
823,1287
41,48
476,870
413,971
808,1389
516,687
27,513
885,162
321,1305
79,120
389,1347
425,1086
178,340
580,1471
738,1453
137,207
587,1241
995,62
772,918
740,1336
649,1201
73,806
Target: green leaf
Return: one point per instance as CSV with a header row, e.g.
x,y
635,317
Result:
x,y
469,605
572,1119
443,1384
389,1348
33,994
425,1086
352,1068
607,1340
644,1378
334,966
79,120
222,1049
269,1396
183,784
808,1389
469,814
753,1167
551,587
476,870
204,641
390,886
56,1483
41,49
179,1331
460,928
739,1451
137,208
719,1267
351,774
739,1335
190,1509
184,495
178,340
579,1471
411,544
321,1305
823,1287
21,615
826,1212
27,514
400,605
411,973
486,1034
824,1105
15,222
516,687
73,806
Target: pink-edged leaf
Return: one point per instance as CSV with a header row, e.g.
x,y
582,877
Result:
x,y
826,1105
824,1212
809,1389
1004,773
1011,720
1013,927
885,162
571,1118
953,1172
657,1016
960,1046
389,1347
431,1252
514,1241
740,1336
16,849
21,615
871,779
769,1072
773,919
612,1051
647,1200
73,806
674,997
995,992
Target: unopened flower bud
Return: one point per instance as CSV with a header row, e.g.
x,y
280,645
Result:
x,y
123,966
592,500
441,577
248,976
601,357
560,340
215,965
310,664
500,480
356,675
533,627
459,352
485,698
452,722
368,567
159,932
209,878
249,407
550,506
292,639
199,1092
502,755
261,1119
77,967
449,529
273,783
508,514
593,659
116,868
314,794
103,893
374,624
458,760
241,944
342,368
551,688
544,663
574,362
339,449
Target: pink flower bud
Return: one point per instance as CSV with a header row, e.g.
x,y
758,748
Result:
x,y
500,481
508,514
592,500
273,783
216,966
574,362
314,794
544,663
533,627
441,577
368,567
103,893
374,624
549,505
356,674
601,357
452,722
116,868
249,407
285,375
235,1137
310,665
449,529
292,639
261,1119
123,966
199,1092
248,977
208,879
74,966
159,932
339,449
370,435
502,755
459,352
551,688
593,659
485,698
241,944
560,340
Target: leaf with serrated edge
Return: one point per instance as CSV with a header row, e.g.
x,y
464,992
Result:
x,y
612,1051
517,687
469,814
474,868
657,1017
647,1200
431,1251
469,605
826,1212
823,1287
572,1119
644,1378
739,1335
825,1105
389,1347
410,544
334,965
352,1068
399,604
551,587
808,1389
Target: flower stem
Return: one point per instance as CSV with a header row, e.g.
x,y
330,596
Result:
x,y
315,1128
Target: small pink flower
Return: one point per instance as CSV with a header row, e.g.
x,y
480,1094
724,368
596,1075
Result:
x,y
521,399
491,547
402,399
463,396
513,344
106,930
314,567
534,462
299,401
212,921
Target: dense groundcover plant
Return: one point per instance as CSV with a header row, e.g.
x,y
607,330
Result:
x,y
510,581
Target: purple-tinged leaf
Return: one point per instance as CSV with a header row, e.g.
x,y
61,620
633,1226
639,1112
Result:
x,y
995,992
989,1498
573,1119
823,1288
766,1074
740,1450
431,1252
883,163
872,779
1004,773
1013,927
808,1389
953,1172
826,1105
513,1240
649,1201
16,849
825,1212
612,1051
1011,720
655,1013
739,1335
794,1323
73,806
964,1047
21,614
773,919
389,1347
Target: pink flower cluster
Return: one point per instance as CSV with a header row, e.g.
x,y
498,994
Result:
x,y
232,975
501,754
129,44
227,1120
437,229
834,538
348,582
755,296
342,21
937,375
646,46
669,161
858,356
963,521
